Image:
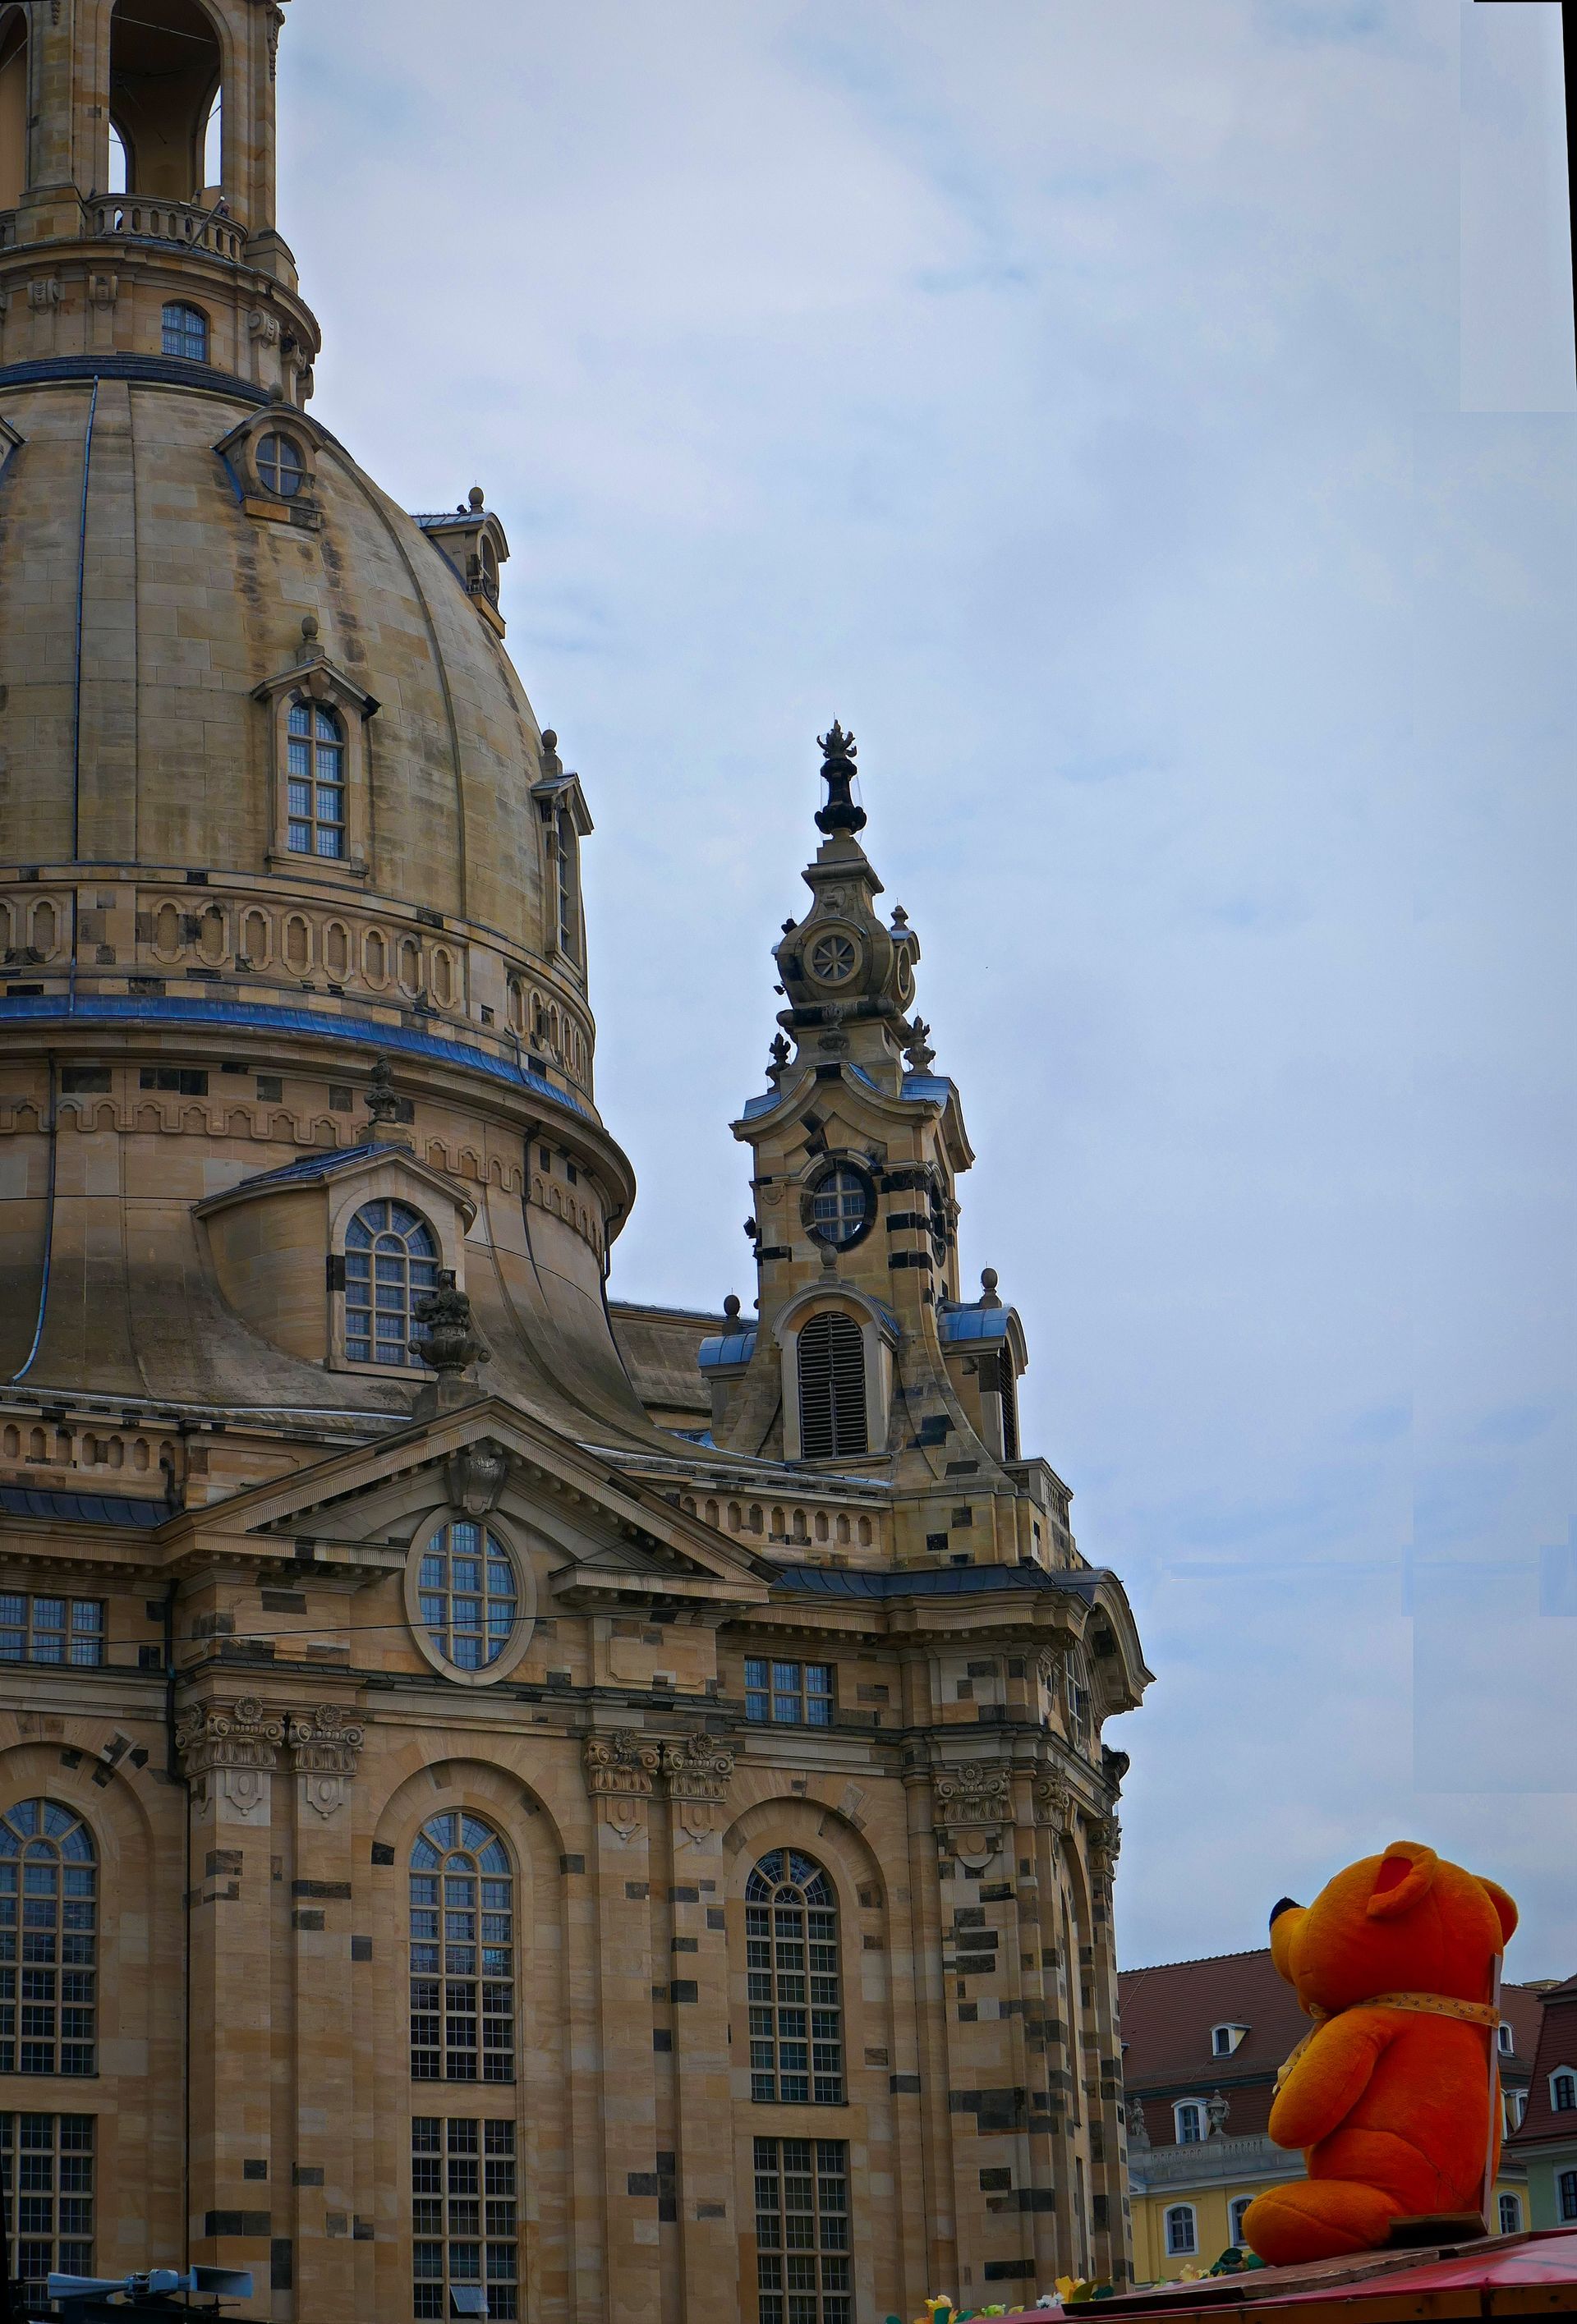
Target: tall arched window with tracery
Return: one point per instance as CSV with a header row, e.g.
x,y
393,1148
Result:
x,y
49,1941
793,1987
462,1954
831,1354
391,1262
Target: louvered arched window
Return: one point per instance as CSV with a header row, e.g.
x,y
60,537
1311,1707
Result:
x,y
462,1954
831,1388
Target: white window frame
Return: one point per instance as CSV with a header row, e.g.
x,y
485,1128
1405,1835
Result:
x,y
1507,2195
1560,2073
1175,2251
1235,2033
1198,2105
1505,2039
1237,2203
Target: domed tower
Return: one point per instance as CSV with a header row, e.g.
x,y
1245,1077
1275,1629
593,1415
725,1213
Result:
x,y
273,804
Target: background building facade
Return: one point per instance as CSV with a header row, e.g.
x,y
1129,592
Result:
x,y
1202,2041
606,1803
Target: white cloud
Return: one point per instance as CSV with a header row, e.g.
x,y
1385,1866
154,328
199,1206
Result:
x,y
1071,400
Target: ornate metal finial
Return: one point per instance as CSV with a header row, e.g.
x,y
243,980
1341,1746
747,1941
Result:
x,y
917,1051
988,1287
838,771
448,1342
380,1102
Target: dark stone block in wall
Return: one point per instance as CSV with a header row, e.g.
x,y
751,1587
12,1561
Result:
x,y
668,2208
994,2180
235,2223
361,1949
1008,2271
717,1918
683,1988
336,1889
662,2040
637,1889
255,2167
904,2085
280,2273
382,1852
641,2182
685,1895
307,2174
307,1920
968,2013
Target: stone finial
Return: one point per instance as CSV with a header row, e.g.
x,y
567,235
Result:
x,y
917,1051
730,1307
1137,2129
1216,2110
478,500
779,1055
380,1102
988,1287
552,764
838,772
900,919
310,635
448,1342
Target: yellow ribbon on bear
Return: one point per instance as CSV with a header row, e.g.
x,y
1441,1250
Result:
x,y
1429,2004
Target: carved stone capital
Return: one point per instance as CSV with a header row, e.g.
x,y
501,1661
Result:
x,y
325,1746
973,1805
229,1751
1102,1845
698,1772
621,1771
1054,1802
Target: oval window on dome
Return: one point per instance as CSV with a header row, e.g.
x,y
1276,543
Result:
x,y
839,1205
281,464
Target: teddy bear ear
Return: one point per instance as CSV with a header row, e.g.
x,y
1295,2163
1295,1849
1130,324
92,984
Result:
x,y
1505,1910
1405,1877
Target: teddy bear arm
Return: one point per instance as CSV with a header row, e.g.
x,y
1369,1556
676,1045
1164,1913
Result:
x,y
1329,2079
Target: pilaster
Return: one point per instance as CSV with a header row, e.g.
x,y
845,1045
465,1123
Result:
x,y
696,1775
621,1771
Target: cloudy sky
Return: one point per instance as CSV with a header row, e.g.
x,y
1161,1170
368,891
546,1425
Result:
x,y
1151,429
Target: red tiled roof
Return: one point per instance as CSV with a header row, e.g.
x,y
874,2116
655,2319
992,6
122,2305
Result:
x,y
1168,2014
1557,2047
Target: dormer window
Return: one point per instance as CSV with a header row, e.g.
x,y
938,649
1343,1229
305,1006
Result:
x,y
1224,2039
281,467
391,1262
186,333
1563,2091
565,851
1506,2039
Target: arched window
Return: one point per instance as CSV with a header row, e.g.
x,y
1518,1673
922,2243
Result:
x,y
281,467
186,333
1563,2091
316,777
462,1954
213,142
1506,2039
1566,2186
1235,2210
49,1941
119,171
831,1388
1190,2121
390,1261
1182,2235
470,1596
1510,2213
792,1982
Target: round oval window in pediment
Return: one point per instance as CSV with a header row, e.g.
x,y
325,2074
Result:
x,y
469,1602
833,957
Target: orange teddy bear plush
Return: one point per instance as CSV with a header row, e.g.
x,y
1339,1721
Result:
x,y
1393,2097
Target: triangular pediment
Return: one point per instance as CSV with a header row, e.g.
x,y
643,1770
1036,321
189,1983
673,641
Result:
x,y
606,1538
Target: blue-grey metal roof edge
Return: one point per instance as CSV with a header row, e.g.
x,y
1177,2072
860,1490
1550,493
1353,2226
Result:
x,y
320,1166
937,1581
726,1348
969,1323
111,1009
933,1089
153,371
82,1508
